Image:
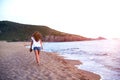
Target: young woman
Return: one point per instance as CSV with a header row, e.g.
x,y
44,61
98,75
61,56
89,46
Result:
x,y
36,45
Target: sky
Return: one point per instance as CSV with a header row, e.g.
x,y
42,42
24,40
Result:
x,y
89,18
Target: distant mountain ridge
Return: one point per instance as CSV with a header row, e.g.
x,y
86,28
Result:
x,y
13,31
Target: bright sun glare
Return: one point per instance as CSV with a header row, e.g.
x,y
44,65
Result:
x,y
90,18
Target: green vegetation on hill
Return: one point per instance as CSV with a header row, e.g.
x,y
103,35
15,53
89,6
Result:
x,y
12,31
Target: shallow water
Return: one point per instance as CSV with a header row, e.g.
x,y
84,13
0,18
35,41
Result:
x,y
101,57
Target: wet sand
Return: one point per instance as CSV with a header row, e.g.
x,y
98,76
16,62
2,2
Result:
x,y
17,63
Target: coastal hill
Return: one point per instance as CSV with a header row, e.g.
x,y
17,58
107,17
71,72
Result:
x,y
13,31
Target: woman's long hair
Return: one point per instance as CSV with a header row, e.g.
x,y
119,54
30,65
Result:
x,y
37,36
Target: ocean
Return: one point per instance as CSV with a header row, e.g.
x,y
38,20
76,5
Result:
x,y
98,56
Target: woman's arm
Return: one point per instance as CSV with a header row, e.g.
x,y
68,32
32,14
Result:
x,y
31,46
41,44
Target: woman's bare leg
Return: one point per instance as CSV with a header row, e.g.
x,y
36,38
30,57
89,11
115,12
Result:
x,y
37,56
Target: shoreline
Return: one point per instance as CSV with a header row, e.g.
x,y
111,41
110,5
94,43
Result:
x,y
18,63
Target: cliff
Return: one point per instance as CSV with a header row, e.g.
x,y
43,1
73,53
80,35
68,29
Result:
x,y
12,31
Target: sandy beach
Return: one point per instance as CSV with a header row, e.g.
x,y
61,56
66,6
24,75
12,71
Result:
x,y
17,63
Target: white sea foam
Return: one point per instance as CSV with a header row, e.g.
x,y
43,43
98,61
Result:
x,y
101,57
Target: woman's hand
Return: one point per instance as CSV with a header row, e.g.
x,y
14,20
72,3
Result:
x,y
30,49
42,47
